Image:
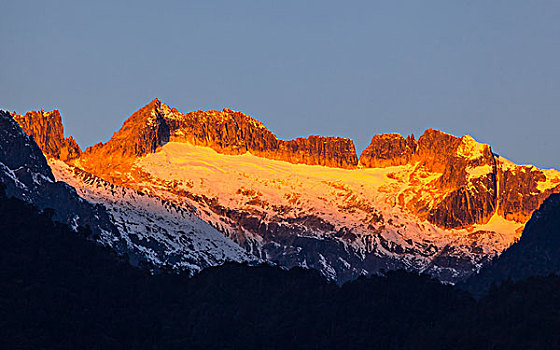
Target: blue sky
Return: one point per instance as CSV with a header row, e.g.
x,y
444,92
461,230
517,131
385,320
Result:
x,y
490,69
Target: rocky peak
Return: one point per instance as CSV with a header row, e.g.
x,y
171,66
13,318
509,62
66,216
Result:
x,y
388,150
463,194
47,130
142,133
226,131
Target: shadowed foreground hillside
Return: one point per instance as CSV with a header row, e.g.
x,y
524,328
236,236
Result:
x,y
536,253
58,289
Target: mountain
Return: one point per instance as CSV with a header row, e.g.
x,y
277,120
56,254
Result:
x,y
536,253
474,183
226,132
442,204
148,230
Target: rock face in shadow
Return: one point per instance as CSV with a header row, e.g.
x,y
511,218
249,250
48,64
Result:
x,y
25,174
48,132
536,253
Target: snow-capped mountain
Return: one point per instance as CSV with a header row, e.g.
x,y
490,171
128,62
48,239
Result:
x,y
150,231
441,204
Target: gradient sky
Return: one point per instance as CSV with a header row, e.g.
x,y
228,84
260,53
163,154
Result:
x,y
490,69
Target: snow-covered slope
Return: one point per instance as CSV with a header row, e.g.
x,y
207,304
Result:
x,y
340,221
165,234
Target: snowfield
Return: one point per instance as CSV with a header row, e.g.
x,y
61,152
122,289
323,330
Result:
x,y
360,208
166,234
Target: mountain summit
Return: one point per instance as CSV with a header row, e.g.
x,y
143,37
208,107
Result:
x,y
227,132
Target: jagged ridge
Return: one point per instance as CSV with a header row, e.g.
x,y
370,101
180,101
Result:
x,y
226,132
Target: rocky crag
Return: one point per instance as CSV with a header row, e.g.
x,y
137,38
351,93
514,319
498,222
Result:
x,y
476,182
47,131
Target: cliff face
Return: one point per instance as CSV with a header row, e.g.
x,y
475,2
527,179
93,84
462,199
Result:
x,y
388,150
523,189
335,152
468,176
48,132
475,184
230,132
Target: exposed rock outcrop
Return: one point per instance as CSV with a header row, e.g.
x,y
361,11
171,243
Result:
x,y
468,177
231,132
474,182
523,188
388,150
336,152
48,132
465,191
